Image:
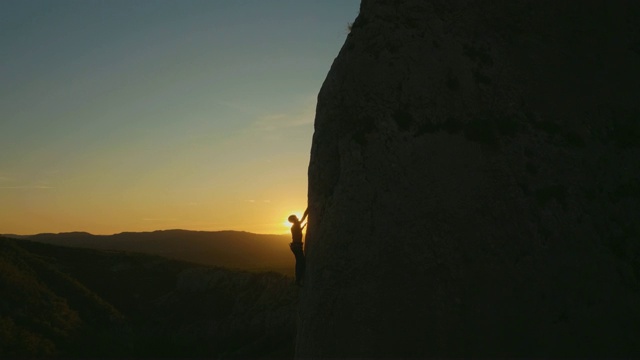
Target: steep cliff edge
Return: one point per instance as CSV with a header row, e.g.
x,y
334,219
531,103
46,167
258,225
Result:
x,y
474,183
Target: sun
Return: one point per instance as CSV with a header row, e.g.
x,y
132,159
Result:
x,y
286,222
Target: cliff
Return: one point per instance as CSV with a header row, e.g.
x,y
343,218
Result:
x,y
474,183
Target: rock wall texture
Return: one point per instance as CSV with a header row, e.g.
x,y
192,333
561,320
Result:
x,y
474,183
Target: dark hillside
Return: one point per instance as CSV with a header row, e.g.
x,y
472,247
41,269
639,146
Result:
x,y
80,302
231,249
45,312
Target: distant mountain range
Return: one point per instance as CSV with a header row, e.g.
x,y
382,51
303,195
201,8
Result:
x,y
70,302
231,249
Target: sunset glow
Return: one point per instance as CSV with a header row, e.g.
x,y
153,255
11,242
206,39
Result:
x,y
286,223
148,115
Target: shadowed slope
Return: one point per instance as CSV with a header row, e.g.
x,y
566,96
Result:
x,y
46,312
60,301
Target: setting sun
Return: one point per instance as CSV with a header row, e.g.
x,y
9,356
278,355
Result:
x,y
286,222
154,133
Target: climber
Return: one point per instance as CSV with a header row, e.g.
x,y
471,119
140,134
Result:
x,y
296,245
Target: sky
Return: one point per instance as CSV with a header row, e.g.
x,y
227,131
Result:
x,y
142,115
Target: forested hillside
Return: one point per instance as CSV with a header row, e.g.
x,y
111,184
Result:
x,y
59,301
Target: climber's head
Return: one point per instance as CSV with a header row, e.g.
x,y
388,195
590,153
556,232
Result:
x,y
293,219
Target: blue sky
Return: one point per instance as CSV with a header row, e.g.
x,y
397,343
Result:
x,y
151,114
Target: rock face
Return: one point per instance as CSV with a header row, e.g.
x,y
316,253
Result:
x,y
474,183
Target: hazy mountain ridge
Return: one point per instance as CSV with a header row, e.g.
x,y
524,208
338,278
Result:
x,y
64,301
232,249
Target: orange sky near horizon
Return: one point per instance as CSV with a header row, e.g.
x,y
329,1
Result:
x,y
140,116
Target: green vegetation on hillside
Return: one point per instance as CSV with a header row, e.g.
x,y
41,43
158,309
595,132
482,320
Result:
x,y
61,301
46,312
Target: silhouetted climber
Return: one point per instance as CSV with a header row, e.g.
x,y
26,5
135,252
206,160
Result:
x,y
296,245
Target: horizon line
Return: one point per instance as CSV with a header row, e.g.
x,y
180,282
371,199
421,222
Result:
x,y
138,232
